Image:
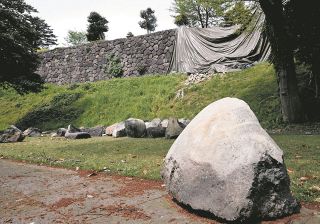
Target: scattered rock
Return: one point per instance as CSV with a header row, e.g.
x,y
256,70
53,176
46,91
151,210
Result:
x,y
197,78
73,129
164,123
77,135
174,128
156,132
61,132
119,130
109,129
12,134
135,128
224,163
32,132
154,129
183,122
95,131
154,123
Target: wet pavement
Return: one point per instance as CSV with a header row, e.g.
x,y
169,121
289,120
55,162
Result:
x,y
39,194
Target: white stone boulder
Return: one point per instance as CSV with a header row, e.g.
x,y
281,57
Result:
x,y
119,130
32,132
12,134
135,128
154,129
109,129
75,133
174,128
224,163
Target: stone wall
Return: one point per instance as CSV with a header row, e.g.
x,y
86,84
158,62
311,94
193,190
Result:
x,y
146,54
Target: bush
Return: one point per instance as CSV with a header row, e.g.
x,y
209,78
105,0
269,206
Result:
x,y
142,69
114,67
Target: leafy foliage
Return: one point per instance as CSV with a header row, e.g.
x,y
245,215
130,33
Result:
x,y
149,20
199,13
21,34
75,38
181,20
129,34
207,13
114,66
97,26
238,14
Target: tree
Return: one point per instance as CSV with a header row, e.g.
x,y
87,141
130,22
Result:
x,y
149,21
129,34
21,34
97,26
305,28
181,20
200,13
278,31
75,38
238,14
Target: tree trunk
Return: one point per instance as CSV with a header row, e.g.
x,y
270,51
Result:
x,y
316,71
200,17
284,64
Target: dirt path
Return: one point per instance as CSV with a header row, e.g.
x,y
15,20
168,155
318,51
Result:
x,y
36,194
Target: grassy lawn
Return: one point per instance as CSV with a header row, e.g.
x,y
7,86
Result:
x,y
144,157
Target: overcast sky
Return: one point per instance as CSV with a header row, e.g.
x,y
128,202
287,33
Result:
x,y
123,15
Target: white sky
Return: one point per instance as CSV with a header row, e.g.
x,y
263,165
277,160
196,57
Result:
x,y
123,15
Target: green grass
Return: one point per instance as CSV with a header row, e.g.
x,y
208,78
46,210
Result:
x,y
302,158
144,157
108,102
125,156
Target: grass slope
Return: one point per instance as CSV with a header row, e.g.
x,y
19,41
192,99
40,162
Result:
x,y
144,157
107,102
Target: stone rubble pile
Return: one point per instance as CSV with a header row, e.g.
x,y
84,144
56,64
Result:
x,y
197,78
135,128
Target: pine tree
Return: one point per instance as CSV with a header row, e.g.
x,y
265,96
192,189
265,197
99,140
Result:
x,y
98,25
21,35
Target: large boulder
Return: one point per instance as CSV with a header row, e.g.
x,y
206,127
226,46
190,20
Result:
x,y
73,129
119,130
135,128
154,123
154,129
109,129
12,134
32,132
95,131
174,128
75,133
164,123
61,132
156,132
183,122
224,163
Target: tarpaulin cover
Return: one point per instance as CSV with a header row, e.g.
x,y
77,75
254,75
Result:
x,y
219,49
